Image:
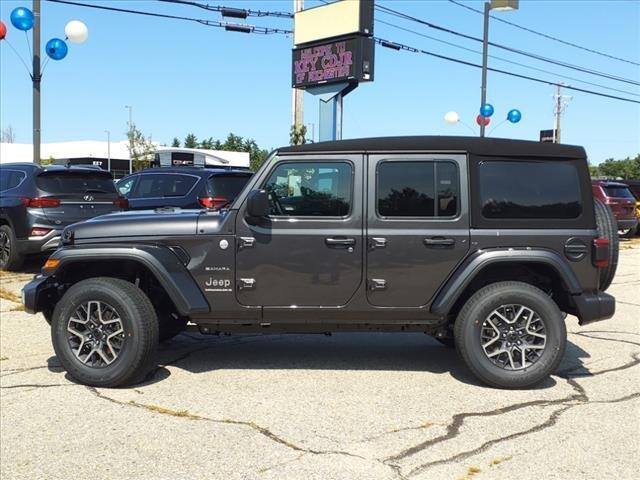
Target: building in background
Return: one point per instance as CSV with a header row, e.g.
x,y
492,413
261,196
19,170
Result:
x,y
114,156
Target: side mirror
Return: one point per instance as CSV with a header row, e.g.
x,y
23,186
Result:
x,y
258,203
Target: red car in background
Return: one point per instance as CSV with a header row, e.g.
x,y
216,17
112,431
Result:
x,y
618,196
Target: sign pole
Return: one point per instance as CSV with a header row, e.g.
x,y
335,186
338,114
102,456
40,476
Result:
x,y
330,97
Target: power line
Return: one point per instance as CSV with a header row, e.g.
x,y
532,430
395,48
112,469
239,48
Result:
x,y
401,46
227,26
549,37
231,12
502,59
390,11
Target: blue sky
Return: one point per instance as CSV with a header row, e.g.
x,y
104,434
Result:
x,y
183,77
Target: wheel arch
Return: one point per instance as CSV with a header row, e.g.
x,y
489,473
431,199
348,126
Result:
x,y
156,266
541,268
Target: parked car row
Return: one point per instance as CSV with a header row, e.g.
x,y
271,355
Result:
x,y
37,202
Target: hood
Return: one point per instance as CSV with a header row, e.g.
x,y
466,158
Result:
x,y
144,223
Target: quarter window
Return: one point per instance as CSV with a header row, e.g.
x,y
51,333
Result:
x,y
529,190
417,189
10,179
311,189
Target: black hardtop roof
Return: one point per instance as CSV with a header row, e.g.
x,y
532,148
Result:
x,y
479,146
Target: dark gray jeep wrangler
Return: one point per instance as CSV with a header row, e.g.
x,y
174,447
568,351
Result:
x,y
483,243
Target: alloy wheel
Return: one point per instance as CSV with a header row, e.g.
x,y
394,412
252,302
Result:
x,y
96,334
513,337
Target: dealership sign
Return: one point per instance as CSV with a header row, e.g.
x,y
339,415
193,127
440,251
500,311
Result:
x,y
350,59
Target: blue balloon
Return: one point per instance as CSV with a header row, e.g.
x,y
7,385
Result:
x,y
22,18
486,110
56,49
514,116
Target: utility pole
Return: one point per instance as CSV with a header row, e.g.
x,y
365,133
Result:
x,y
485,48
130,135
297,94
108,149
560,105
36,77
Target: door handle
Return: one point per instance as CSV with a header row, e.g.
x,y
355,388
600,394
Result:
x,y
340,242
439,242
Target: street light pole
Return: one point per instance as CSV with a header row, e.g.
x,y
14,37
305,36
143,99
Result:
x,y
485,48
108,149
36,77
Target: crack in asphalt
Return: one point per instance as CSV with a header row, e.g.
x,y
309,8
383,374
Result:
x,y
35,385
15,371
617,340
580,397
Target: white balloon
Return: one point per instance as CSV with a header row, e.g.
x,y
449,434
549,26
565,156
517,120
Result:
x,y
76,31
451,118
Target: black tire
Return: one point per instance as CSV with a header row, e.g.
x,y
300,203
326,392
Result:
x,y
140,337
10,259
469,324
170,325
607,228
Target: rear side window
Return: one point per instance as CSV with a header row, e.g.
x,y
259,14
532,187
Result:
x,y
311,189
529,190
70,182
10,179
417,189
227,186
618,192
158,185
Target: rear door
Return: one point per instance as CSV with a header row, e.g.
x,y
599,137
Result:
x,y
163,189
417,226
82,194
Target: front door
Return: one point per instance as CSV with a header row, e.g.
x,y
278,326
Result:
x,y
417,226
309,251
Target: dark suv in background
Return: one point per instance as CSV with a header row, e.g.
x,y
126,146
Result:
x,y
37,202
183,187
621,201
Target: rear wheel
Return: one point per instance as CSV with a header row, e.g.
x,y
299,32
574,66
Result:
x,y
10,259
607,228
105,332
510,335
627,232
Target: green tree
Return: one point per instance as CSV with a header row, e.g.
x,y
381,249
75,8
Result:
x,y
191,141
625,169
141,149
175,143
207,143
47,161
298,135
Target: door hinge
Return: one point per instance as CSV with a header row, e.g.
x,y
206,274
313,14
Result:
x,y
377,284
377,242
247,284
246,242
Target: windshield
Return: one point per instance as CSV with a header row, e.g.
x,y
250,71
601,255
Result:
x,y
70,182
619,192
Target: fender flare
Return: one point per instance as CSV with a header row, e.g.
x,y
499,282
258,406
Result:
x,y
160,261
469,269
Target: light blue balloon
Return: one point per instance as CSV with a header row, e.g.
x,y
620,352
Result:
x,y
56,49
486,110
22,18
514,116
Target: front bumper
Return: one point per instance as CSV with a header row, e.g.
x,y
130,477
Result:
x,y
595,306
34,292
623,224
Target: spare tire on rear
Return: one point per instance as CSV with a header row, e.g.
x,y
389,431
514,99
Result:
x,y
607,228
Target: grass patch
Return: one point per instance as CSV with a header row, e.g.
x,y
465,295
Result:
x,y
3,359
7,295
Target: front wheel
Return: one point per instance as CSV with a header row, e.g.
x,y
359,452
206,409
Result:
x,y
105,332
511,335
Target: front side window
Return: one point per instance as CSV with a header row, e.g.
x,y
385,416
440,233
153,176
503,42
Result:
x,y
311,189
159,185
529,190
417,189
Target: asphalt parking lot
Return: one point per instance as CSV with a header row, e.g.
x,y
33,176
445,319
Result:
x,y
347,406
